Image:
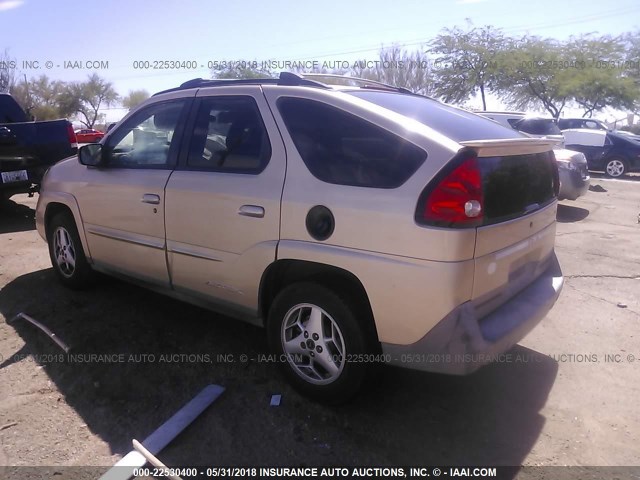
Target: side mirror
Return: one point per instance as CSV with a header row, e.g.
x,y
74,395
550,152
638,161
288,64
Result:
x,y
91,155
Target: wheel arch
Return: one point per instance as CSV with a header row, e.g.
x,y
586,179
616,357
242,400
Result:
x,y
66,203
284,272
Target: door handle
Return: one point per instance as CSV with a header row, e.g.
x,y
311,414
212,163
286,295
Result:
x,y
151,198
255,211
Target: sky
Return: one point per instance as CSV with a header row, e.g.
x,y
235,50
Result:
x,y
70,40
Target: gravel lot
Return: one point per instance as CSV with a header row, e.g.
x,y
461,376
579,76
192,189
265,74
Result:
x,y
558,401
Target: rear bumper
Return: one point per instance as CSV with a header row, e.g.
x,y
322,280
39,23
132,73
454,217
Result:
x,y
572,185
461,343
34,175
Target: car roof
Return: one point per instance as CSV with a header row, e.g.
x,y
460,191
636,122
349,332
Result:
x,y
329,82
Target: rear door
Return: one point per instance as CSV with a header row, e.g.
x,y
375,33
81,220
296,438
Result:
x,y
223,200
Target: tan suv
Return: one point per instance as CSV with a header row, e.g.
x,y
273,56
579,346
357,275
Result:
x,y
358,223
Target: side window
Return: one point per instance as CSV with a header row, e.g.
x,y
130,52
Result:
x,y
513,122
341,148
145,139
229,136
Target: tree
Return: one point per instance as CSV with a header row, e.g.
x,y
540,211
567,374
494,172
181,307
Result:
x,y
86,98
534,73
39,97
466,62
398,67
601,80
134,98
7,71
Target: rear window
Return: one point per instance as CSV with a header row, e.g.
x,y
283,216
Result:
x,y
456,124
518,184
341,148
537,126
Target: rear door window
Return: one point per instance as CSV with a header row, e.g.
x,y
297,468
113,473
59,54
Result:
x,y
340,148
229,136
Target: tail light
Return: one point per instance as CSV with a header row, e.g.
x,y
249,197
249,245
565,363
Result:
x,y
455,197
71,135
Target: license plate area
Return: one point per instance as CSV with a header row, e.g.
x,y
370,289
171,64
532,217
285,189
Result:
x,y
16,176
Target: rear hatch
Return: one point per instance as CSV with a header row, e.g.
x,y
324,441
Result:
x,y
502,183
515,240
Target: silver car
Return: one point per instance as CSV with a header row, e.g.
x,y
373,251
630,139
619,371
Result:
x,y
356,223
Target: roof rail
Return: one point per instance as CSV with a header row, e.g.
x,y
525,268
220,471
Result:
x,y
355,81
286,78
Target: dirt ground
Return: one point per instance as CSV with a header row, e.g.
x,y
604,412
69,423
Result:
x,y
568,396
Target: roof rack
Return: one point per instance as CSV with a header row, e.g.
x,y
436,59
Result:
x,y
354,81
286,78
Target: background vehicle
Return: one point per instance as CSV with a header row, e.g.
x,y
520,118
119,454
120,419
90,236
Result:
x,y
405,231
590,123
572,165
89,135
608,151
27,148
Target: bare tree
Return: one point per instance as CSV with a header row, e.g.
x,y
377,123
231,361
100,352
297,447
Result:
x,y
7,71
398,67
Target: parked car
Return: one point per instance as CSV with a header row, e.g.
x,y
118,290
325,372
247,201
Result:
x,y
28,148
357,225
609,151
572,165
589,123
534,125
89,135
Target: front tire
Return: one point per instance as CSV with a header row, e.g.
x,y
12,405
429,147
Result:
x,y
615,167
66,253
315,334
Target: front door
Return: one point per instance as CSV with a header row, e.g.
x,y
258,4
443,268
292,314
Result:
x,y
122,204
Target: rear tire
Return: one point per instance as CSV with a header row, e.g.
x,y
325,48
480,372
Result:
x,y
615,167
316,338
66,253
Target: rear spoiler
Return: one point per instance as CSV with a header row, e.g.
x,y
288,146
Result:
x,y
510,146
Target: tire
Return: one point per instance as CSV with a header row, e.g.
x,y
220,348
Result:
x,y
315,359
615,167
66,253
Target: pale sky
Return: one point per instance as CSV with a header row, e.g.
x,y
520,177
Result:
x,y
117,33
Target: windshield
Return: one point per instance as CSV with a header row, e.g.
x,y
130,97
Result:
x,y
455,123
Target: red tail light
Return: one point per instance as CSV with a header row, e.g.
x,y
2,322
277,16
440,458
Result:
x,y
71,135
454,198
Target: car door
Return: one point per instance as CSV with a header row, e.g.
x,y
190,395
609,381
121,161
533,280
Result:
x,y
223,199
122,203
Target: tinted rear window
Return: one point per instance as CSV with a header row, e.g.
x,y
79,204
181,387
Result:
x,y
456,124
537,126
341,148
516,185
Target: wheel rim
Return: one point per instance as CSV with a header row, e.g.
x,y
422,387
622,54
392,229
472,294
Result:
x,y
615,168
64,252
313,344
